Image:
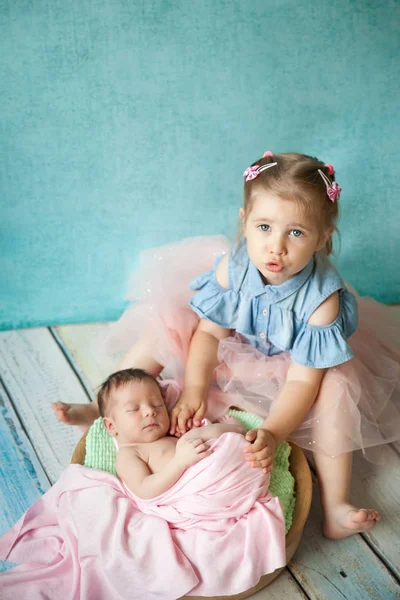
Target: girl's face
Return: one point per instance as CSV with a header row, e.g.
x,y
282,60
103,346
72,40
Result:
x,y
138,413
281,239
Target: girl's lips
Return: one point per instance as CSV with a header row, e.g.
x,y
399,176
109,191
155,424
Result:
x,y
274,267
151,425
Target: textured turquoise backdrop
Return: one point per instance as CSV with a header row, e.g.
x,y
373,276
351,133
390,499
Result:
x,y
127,124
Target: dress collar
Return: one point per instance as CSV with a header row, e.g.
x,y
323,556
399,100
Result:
x,y
282,291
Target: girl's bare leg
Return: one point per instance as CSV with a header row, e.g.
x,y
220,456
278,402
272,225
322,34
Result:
x,y
83,415
341,518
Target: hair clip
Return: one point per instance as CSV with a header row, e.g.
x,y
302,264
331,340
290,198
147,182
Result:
x,y
333,189
267,153
331,169
252,172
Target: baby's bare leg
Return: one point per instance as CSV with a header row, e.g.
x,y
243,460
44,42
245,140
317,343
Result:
x,y
341,518
229,420
210,431
139,356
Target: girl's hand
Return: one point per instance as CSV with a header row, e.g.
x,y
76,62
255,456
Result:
x,y
187,412
189,451
262,451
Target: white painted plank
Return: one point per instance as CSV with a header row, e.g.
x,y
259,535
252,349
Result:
x,y
339,569
396,446
35,373
379,487
84,345
284,587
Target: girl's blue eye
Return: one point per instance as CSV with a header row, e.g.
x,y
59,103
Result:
x,y
296,233
264,227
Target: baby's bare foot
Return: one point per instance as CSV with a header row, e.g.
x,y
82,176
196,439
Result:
x,y
81,415
344,520
229,420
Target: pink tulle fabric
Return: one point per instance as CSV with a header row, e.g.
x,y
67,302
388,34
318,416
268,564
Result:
x,y
358,404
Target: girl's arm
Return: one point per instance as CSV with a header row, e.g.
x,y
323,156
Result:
x,y
203,355
298,395
202,360
302,383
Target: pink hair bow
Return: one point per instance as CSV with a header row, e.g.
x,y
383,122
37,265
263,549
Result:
x,y
251,172
333,189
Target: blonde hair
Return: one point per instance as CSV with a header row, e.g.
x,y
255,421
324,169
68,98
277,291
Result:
x,y
295,177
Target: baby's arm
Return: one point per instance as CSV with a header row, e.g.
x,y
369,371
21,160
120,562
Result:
x,y
137,476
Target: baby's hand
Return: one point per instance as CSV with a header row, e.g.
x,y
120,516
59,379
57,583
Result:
x,y
188,451
262,451
187,412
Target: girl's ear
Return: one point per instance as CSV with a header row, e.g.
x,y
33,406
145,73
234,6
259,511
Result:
x,y
242,224
110,426
324,237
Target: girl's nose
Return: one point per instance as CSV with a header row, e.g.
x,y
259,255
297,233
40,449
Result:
x,y
148,411
277,245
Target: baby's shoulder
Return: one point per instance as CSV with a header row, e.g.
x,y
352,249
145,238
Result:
x,y
129,451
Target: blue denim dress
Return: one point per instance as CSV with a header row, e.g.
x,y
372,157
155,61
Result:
x,y
274,318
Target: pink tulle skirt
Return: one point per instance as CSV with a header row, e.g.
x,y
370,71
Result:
x,y
358,405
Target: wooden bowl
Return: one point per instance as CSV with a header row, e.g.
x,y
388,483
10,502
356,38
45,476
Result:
x,y
303,489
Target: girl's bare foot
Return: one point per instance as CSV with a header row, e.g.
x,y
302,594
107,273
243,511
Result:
x,y
344,520
228,420
82,415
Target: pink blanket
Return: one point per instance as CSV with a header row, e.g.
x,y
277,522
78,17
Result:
x,y
215,532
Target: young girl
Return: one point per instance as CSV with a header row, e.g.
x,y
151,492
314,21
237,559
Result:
x,y
268,331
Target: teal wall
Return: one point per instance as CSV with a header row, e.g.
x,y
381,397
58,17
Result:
x,y
126,124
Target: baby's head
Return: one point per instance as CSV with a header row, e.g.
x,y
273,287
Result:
x,y
293,193
132,407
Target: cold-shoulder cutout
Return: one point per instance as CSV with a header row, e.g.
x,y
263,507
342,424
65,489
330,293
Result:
x,y
221,273
327,312
213,301
324,346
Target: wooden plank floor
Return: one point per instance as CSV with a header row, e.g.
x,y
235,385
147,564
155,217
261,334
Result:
x,y
39,366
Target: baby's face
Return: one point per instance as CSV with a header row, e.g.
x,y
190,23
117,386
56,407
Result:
x,y
138,413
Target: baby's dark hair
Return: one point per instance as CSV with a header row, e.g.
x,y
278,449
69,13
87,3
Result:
x,y
295,177
117,380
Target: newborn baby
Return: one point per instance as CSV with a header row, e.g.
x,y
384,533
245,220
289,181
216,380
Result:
x,y
149,461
